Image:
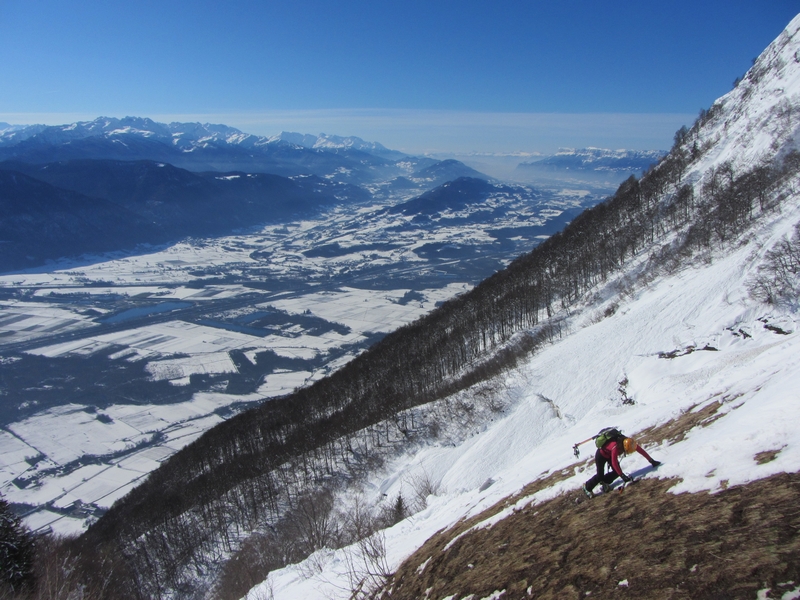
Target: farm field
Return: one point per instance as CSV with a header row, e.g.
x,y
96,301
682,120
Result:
x,y
110,364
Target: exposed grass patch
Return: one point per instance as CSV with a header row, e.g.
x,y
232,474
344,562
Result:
x,y
725,545
675,431
767,456
437,543
643,542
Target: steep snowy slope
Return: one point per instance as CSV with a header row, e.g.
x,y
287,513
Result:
x,y
759,118
646,351
728,349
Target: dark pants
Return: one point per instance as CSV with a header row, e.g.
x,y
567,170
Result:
x,y
600,461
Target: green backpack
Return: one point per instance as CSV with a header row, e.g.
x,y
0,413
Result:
x,y
606,435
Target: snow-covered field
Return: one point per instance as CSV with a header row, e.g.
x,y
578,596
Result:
x,y
21,321
336,282
38,455
50,454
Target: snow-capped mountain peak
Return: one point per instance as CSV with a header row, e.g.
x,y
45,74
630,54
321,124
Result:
x,y
328,142
304,140
760,117
185,136
128,126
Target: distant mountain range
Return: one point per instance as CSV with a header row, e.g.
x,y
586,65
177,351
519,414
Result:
x,y
335,142
210,147
207,147
109,184
185,136
591,164
5,127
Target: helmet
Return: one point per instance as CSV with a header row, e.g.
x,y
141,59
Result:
x,y
629,444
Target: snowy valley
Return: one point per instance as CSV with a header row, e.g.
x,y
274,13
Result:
x,y
144,352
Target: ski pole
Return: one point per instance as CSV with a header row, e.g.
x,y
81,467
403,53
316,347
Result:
x,y
575,447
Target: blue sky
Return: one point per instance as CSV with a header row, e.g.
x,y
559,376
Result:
x,y
433,75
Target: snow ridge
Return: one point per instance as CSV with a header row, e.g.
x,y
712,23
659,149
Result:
x,y
185,136
759,119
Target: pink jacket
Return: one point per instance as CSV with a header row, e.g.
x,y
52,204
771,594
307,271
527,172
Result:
x,y
613,449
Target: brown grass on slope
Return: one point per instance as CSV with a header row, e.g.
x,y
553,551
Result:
x,y
642,543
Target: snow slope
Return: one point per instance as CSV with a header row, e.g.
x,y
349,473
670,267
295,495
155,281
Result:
x,y
760,116
675,343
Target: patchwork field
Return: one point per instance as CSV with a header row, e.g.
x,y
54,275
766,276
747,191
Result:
x,y
110,364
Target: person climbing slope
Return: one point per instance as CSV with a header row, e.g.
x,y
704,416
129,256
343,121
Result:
x,y
611,444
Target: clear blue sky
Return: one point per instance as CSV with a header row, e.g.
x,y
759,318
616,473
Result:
x,y
413,74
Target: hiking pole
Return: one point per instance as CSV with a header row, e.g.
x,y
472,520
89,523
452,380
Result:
x,y
575,447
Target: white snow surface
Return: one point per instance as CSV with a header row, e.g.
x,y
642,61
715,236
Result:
x,y
725,353
760,114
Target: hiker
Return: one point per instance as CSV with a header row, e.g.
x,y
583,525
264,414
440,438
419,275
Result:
x,y
609,452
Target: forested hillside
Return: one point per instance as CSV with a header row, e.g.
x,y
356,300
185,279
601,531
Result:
x,y
75,207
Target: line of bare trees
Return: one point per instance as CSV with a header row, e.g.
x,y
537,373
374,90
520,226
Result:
x,y
778,278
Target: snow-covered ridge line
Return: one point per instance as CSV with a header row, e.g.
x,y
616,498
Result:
x,y
186,135
592,153
760,118
325,141
595,159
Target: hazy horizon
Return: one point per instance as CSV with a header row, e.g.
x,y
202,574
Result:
x,y
416,76
438,132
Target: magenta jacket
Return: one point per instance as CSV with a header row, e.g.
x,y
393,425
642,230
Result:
x,y
613,449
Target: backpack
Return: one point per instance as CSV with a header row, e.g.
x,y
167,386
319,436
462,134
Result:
x,y
606,435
